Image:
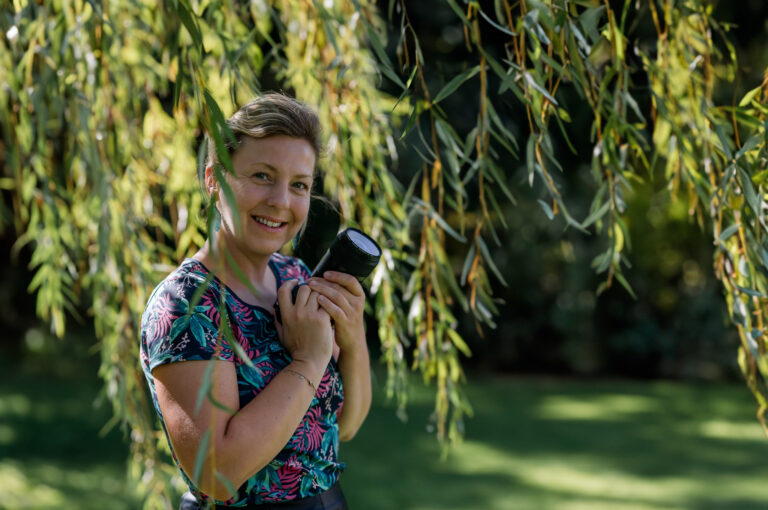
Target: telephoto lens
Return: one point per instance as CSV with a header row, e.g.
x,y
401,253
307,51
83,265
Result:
x,y
352,252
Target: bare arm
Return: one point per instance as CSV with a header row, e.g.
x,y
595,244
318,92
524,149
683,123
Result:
x,y
344,300
354,367
242,443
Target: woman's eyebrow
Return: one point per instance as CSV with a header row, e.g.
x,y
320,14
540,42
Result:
x,y
260,164
275,170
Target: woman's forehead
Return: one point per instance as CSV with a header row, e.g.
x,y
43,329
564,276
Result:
x,y
276,153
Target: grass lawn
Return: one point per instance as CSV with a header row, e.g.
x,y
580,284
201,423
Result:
x,y
567,445
533,443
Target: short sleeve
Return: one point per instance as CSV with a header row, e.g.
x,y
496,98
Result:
x,y
174,328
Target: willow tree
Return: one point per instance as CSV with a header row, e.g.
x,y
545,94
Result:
x,y
103,104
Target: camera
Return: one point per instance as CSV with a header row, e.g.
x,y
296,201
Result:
x,y
352,252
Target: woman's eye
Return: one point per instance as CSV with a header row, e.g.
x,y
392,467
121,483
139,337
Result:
x,y
260,176
301,185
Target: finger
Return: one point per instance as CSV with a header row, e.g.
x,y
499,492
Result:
x,y
284,294
336,293
347,281
303,295
336,312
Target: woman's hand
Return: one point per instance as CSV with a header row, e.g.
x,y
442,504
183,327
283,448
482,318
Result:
x,y
342,296
307,332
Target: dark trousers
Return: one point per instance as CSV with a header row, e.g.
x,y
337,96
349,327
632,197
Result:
x,y
332,499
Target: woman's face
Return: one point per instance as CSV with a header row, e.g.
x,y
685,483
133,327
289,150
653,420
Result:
x,y
271,186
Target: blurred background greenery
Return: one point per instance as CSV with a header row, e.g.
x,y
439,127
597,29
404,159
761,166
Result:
x,y
581,401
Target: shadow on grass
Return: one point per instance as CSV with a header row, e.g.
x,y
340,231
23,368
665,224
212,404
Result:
x,y
51,453
533,444
568,444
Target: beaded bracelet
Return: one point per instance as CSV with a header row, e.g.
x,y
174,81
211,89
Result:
x,y
314,390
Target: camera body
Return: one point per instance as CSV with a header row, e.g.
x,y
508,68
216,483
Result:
x,y
352,252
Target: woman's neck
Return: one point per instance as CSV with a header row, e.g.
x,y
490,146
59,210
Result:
x,y
228,264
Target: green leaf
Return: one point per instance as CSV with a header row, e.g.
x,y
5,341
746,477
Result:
x,y
232,263
507,134
750,144
381,54
750,292
532,81
589,20
489,260
728,232
496,25
227,484
749,191
624,283
455,83
220,405
239,351
467,264
205,385
407,86
547,210
749,96
596,215
459,342
411,120
458,12
430,211
189,22
202,453
530,159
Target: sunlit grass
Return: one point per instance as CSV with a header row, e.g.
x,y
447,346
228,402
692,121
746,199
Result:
x,y
533,444
571,445
52,455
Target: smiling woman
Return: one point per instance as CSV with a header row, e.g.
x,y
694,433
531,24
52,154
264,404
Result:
x,y
271,186
269,429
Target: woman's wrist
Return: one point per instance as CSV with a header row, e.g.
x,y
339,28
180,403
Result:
x,y
311,370
353,343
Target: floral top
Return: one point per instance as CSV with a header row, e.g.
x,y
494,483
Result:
x,y
175,328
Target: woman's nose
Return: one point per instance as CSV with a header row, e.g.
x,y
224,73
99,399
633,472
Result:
x,y
278,195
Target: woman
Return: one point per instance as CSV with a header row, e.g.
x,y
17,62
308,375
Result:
x,y
270,425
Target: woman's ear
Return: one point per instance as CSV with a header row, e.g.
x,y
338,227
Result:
x,y
210,179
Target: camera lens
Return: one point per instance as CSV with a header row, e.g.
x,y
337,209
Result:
x,y
363,242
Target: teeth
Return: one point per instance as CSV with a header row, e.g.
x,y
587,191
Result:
x,y
266,222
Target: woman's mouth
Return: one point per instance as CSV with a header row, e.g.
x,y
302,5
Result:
x,y
271,224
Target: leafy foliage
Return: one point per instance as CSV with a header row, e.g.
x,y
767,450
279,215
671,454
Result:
x,y
102,104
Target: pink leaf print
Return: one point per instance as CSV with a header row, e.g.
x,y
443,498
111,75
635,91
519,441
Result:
x,y
164,315
290,475
309,435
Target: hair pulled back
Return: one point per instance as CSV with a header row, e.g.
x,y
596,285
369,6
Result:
x,y
271,114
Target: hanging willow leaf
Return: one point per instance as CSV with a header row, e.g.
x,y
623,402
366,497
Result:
x,y
104,104
202,453
452,85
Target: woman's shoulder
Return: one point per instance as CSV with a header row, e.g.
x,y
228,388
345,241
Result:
x,y
183,282
181,318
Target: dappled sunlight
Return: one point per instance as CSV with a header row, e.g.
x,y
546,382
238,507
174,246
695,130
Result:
x,y
567,444
20,490
579,476
14,404
742,431
595,407
54,485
